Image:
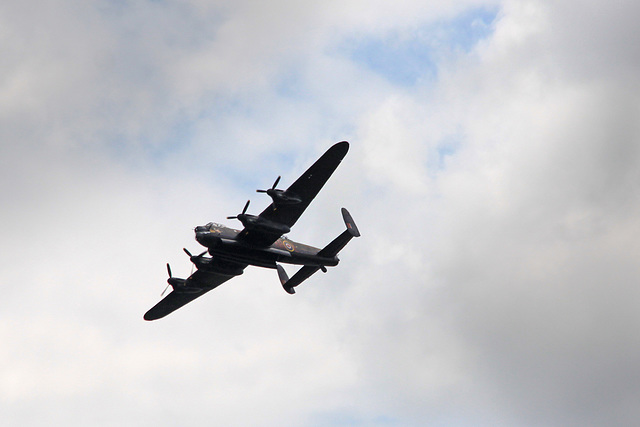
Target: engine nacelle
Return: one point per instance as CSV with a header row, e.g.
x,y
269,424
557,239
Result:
x,y
254,222
281,197
183,286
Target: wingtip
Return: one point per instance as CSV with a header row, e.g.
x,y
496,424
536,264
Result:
x,y
151,315
341,148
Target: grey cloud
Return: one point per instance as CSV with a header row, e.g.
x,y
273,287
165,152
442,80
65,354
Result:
x,y
499,290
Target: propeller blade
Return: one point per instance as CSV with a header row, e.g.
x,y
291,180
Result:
x,y
273,187
170,276
186,251
246,206
165,290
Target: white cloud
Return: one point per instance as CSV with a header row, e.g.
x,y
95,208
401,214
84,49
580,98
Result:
x,y
493,283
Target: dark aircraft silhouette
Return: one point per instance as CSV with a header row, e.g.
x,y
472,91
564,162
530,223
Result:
x,y
262,242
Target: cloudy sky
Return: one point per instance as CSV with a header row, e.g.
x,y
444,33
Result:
x,y
494,173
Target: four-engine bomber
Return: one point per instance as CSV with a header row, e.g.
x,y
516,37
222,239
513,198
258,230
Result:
x,y
262,241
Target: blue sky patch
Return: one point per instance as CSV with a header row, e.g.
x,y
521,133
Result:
x,y
406,58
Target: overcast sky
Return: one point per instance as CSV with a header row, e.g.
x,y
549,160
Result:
x,y
494,173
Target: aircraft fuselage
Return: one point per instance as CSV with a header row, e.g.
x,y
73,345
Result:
x,y
222,243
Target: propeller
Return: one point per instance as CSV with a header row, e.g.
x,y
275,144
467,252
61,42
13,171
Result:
x,y
281,197
273,187
191,256
194,259
168,281
243,211
179,285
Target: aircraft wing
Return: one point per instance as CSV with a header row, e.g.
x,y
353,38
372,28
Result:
x,y
199,283
305,188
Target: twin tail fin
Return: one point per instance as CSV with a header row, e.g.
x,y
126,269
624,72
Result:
x,y
329,251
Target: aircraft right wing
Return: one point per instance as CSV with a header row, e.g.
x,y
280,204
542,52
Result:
x,y
198,284
174,301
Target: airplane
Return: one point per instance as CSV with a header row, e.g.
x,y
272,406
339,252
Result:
x,y
262,242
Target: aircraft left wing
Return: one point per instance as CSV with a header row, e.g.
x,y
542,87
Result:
x,y
304,189
198,284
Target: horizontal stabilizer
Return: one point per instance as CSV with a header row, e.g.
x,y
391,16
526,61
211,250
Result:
x,y
329,251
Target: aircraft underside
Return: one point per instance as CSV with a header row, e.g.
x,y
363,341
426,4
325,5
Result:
x,y
269,257
261,242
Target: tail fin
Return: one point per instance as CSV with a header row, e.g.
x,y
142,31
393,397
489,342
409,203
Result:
x,y
341,241
328,251
301,275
